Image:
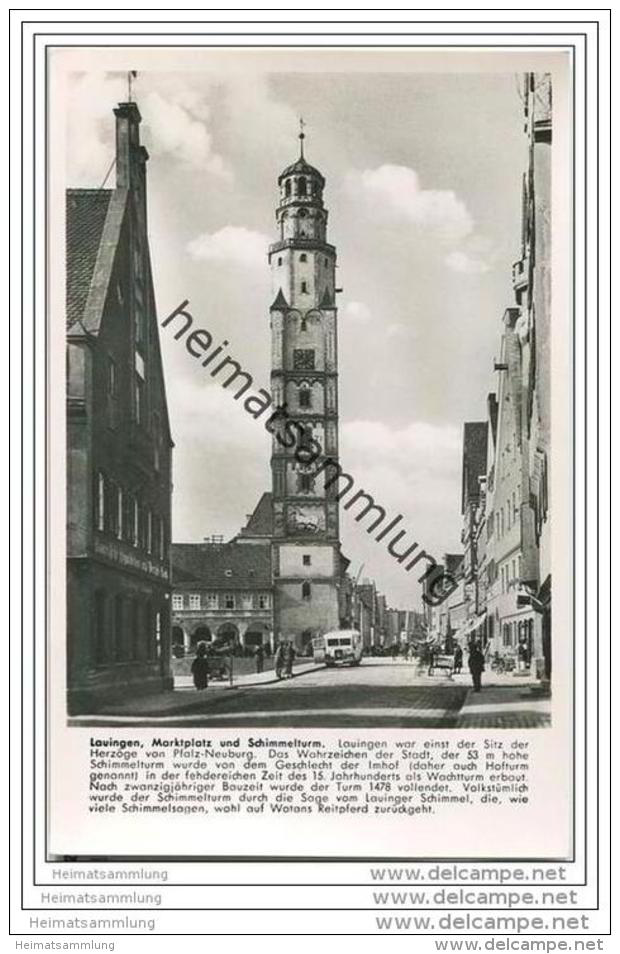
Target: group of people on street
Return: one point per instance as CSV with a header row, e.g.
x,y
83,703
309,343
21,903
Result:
x,y
284,659
475,662
200,667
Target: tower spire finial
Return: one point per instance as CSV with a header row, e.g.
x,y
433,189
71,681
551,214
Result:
x,y
302,135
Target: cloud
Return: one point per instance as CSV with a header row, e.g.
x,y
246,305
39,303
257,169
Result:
x,y
233,244
175,131
395,330
464,263
475,257
357,312
396,191
175,124
413,470
427,444
265,125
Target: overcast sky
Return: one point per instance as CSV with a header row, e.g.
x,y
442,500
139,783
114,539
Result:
x,y
423,189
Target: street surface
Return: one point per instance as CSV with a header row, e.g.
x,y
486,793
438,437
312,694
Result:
x,y
380,693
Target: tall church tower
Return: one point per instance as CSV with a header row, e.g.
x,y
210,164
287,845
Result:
x,y
304,380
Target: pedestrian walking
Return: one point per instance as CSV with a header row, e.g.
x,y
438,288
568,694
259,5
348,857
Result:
x,y
200,667
279,660
476,666
458,660
260,658
523,654
289,658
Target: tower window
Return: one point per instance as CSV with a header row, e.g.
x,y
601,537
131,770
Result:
x,y
303,359
304,288
302,188
306,591
280,260
306,559
112,376
305,397
287,188
139,399
100,501
303,324
303,257
306,483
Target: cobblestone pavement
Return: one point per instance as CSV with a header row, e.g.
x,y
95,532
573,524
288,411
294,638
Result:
x,y
379,693
504,707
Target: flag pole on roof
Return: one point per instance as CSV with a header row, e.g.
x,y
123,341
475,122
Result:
x,y
302,135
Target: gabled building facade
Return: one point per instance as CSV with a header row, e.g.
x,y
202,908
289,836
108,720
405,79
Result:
x,y
532,278
119,446
513,625
475,441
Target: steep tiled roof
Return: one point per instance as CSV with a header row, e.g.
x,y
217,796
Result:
x,y
260,523
86,214
218,566
280,301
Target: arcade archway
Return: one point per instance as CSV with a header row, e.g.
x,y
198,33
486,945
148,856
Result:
x,y
202,634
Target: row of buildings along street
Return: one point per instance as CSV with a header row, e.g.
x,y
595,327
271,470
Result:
x,y
503,573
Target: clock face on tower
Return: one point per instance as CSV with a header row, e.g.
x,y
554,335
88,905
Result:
x,y
303,359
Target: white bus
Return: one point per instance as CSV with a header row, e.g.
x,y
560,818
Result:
x,y
338,647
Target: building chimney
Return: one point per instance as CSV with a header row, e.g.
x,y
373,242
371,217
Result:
x,y
130,155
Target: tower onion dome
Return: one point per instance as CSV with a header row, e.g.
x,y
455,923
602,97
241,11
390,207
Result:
x,y
300,182
301,168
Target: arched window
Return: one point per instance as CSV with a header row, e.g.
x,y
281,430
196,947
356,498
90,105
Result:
x,y
303,257
302,188
306,590
287,188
